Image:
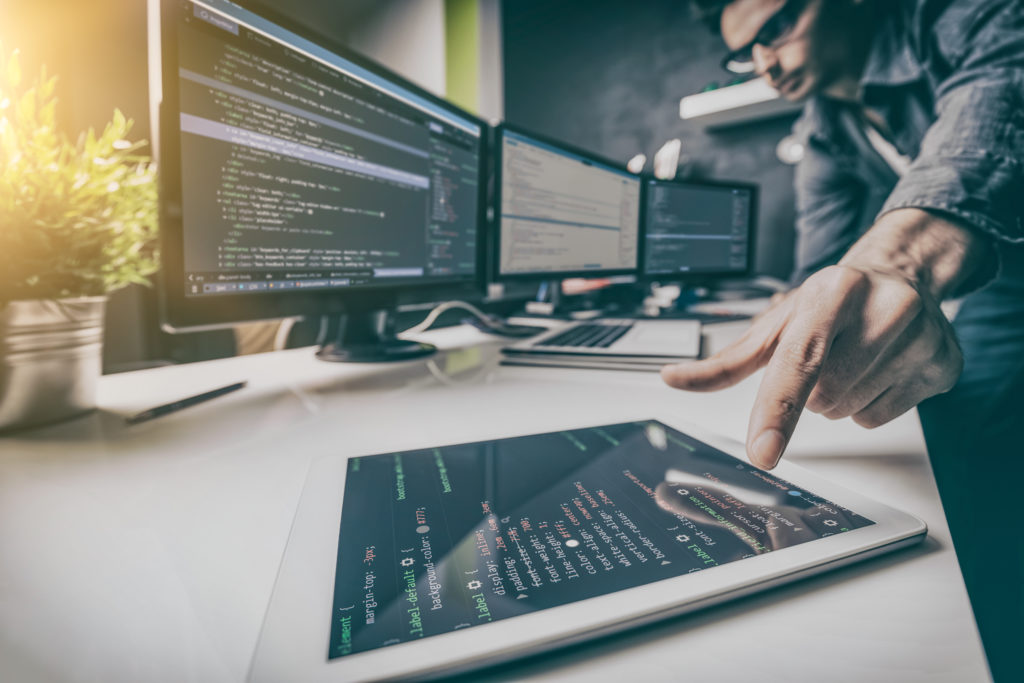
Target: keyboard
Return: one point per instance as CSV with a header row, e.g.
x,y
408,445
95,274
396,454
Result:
x,y
588,335
646,341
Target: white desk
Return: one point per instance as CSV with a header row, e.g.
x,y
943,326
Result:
x,y
149,553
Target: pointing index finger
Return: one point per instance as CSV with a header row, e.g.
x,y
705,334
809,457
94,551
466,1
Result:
x,y
791,375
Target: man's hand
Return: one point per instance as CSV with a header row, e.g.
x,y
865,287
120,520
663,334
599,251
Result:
x,y
864,339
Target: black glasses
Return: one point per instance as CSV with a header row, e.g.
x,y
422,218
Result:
x,y
775,29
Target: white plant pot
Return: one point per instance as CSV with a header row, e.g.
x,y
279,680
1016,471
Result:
x,y
50,360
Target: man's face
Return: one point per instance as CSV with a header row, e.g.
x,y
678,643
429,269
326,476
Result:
x,y
804,60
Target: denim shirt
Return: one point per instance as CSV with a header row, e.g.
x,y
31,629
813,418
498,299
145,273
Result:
x,y
947,78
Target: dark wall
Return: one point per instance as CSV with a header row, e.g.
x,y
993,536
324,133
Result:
x,y
608,76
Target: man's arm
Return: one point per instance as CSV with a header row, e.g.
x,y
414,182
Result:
x,y
971,162
864,338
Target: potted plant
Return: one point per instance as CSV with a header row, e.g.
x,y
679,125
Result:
x,y
77,220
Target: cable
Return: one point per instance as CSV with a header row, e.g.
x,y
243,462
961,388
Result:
x,y
283,330
436,313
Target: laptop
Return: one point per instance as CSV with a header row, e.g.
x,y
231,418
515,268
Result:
x,y
647,342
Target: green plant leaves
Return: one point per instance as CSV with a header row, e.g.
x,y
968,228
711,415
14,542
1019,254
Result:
x,y
76,219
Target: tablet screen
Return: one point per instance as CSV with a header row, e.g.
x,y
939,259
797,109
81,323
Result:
x,y
442,539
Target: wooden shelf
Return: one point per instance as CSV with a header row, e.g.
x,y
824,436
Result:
x,y
735,104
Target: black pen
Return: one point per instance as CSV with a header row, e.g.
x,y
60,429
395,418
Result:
x,y
160,411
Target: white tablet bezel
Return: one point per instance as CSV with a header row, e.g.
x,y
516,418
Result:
x,y
293,642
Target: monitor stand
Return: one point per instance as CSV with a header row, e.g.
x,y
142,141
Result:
x,y
552,303
366,336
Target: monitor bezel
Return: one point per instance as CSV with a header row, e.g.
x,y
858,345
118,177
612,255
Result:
x,y
695,275
497,156
179,312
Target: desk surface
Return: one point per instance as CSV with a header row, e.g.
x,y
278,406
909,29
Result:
x,y
149,553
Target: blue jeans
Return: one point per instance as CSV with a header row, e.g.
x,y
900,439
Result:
x,y
975,438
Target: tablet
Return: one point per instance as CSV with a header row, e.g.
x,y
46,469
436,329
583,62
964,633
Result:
x,y
440,560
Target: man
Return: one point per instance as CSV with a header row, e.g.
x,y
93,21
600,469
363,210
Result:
x,y
911,192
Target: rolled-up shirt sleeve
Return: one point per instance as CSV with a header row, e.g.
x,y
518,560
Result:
x,y
971,163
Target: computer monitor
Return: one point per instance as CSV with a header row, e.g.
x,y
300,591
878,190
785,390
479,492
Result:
x,y
697,230
562,212
300,179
